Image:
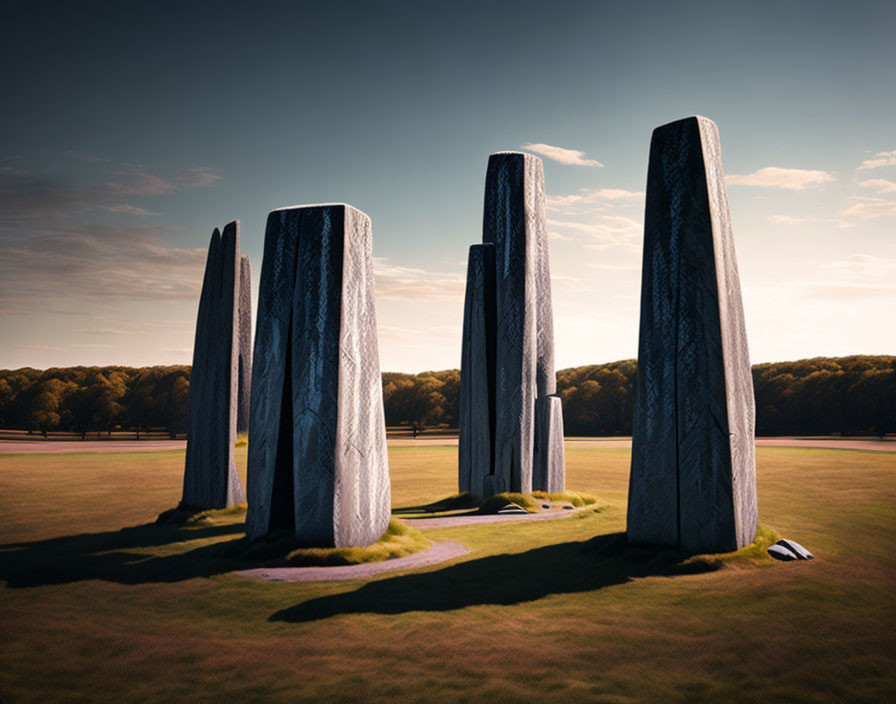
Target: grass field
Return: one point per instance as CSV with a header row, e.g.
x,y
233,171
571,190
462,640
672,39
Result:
x,y
553,611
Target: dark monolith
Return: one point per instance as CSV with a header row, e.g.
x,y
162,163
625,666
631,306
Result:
x,y
210,476
477,374
693,476
317,439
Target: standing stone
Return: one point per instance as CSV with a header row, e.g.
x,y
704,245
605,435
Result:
x,y
244,364
477,385
210,476
549,470
693,475
317,436
514,224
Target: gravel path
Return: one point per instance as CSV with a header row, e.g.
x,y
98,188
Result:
x,y
439,552
472,519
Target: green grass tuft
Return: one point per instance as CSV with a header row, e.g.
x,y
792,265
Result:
x,y
755,552
495,503
576,498
192,516
399,540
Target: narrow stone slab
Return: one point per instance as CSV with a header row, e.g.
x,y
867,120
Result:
x,y
549,471
796,549
210,476
477,390
693,477
244,363
317,437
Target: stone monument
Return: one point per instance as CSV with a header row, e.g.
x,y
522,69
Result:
x,y
693,475
508,346
317,436
244,364
210,476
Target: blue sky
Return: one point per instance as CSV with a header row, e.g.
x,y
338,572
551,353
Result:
x,y
130,130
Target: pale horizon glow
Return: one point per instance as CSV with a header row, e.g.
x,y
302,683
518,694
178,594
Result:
x,y
106,215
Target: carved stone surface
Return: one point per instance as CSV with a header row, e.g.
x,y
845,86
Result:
x,y
244,362
477,388
519,354
317,436
693,476
210,476
549,469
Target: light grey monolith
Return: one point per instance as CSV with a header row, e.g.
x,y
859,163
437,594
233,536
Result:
x,y
514,224
549,470
210,476
244,363
693,475
317,438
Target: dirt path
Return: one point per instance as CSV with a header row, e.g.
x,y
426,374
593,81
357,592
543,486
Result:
x,y
552,514
59,446
439,552
52,447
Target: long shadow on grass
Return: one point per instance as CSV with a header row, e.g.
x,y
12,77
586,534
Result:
x,y
108,556
504,579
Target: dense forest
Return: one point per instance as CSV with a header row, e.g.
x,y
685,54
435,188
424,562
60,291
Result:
x,y
848,395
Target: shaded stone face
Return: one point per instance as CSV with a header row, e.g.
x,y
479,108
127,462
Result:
x,y
210,476
693,479
477,389
317,445
522,329
549,469
244,362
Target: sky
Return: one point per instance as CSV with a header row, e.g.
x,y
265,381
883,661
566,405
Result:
x,y
128,131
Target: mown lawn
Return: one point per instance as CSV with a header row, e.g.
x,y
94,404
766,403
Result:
x,y
554,611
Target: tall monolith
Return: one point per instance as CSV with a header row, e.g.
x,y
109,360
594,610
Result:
x,y
477,382
210,476
244,363
317,437
514,224
693,475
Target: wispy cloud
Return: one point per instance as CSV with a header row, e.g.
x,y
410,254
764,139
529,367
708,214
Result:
x,y
572,157
870,208
95,263
775,177
789,220
864,267
881,185
591,196
879,159
394,282
128,209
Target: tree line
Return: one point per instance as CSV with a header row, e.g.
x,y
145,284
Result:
x,y
823,395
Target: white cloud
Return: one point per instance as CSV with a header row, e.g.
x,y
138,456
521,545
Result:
x,y
571,157
611,194
880,159
775,177
401,283
869,208
882,185
864,267
788,220
128,209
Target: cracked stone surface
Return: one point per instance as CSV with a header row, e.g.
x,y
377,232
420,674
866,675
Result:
x,y
317,437
210,476
693,475
514,224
